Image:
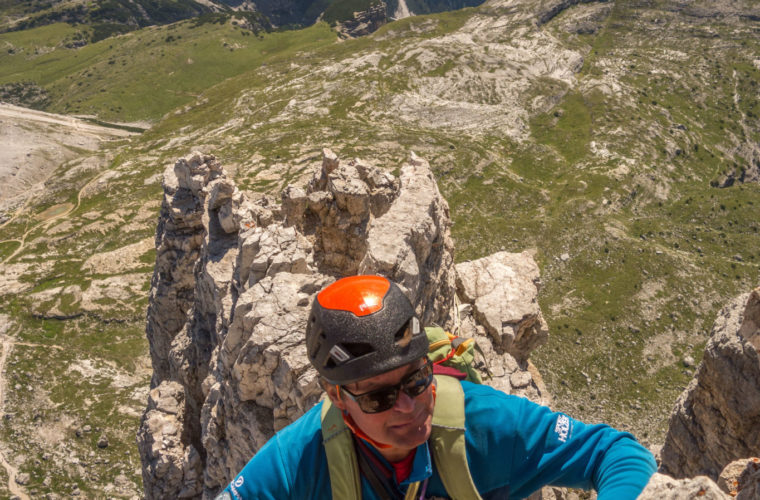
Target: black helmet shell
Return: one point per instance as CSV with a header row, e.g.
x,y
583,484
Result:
x,y
362,326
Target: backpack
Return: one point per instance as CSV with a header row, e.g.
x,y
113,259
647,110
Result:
x,y
455,352
447,440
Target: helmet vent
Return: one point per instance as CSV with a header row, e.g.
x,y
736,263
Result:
x,y
314,351
341,353
404,336
358,349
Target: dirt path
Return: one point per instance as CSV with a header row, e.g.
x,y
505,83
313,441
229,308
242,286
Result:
x,y
14,488
35,144
46,223
9,111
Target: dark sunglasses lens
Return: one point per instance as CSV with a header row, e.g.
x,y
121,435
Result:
x,y
384,399
377,401
418,381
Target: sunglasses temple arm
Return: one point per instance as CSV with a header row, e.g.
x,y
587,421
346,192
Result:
x,y
337,390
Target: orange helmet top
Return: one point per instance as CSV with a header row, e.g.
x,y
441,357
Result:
x,y
362,326
361,295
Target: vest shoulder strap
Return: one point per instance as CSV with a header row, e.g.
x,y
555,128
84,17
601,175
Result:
x,y
448,441
341,456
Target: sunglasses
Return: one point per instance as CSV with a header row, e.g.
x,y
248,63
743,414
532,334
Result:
x,y
385,398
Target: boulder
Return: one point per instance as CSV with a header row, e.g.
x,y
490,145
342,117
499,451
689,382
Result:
x,y
749,481
503,290
741,478
716,420
664,487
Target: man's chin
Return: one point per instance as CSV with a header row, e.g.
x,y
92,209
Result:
x,y
414,434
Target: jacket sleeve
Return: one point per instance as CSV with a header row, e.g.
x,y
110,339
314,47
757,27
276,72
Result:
x,y
515,447
552,448
263,478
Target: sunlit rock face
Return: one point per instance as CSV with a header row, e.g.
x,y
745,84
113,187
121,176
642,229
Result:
x,y
717,418
234,282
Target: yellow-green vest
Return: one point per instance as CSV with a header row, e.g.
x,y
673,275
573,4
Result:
x,y
446,442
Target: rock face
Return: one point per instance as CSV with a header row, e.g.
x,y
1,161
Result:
x,y
364,22
717,418
234,281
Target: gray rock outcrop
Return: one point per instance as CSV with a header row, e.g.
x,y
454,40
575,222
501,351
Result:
x,y
235,277
716,420
502,290
663,487
178,242
171,463
364,22
741,478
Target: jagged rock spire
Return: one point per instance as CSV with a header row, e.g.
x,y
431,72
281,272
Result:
x,y
232,288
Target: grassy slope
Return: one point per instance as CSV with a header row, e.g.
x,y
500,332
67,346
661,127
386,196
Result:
x,y
647,275
108,78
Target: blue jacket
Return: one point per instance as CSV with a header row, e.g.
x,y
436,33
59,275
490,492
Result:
x,y
514,447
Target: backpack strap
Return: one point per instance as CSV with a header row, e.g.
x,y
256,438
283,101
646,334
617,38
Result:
x,y
341,456
448,441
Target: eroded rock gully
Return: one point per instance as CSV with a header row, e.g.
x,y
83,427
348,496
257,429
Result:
x,y
234,279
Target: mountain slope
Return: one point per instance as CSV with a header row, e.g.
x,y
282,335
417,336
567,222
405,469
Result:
x,y
109,78
596,133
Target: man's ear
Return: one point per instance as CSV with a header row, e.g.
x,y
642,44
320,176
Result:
x,y
333,392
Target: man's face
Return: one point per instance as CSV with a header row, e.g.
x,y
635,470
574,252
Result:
x,y
406,425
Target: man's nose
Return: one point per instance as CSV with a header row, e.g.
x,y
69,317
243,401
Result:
x,y
404,403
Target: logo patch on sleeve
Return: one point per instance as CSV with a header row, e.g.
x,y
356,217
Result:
x,y
562,428
237,483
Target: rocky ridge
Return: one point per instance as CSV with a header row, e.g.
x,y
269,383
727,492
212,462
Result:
x,y
235,276
717,418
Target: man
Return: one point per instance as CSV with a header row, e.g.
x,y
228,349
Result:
x,y
392,430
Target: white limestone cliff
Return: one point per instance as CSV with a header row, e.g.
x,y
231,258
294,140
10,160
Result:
x,y
234,281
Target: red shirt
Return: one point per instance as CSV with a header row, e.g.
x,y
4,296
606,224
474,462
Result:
x,y
404,466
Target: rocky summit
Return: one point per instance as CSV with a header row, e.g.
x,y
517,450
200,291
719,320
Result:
x,y
234,280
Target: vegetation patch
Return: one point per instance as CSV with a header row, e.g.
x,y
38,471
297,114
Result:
x,y
27,94
567,128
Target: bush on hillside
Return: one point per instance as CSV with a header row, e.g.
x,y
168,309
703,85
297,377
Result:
x,y
27,94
